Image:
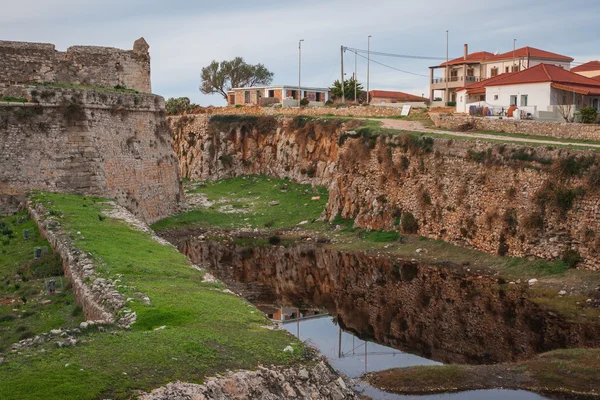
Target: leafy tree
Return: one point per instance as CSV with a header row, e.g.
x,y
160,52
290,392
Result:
x,y
221,77
179,105
336,89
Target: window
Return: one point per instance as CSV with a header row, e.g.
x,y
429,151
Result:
x,y
513,100
470,72
247,97
495,97
515,68
294,94
494,72
318,96
595,104
461,99
523,100
453,74
507,69
271,93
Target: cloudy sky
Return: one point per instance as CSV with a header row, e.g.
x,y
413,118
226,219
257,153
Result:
x,y
185,35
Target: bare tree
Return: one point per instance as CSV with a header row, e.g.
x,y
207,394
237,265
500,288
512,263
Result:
x,y
565,104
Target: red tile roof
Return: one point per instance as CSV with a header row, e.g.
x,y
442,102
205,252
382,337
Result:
x,y
472,58
400,96
581,89
531,52
590,66
543,73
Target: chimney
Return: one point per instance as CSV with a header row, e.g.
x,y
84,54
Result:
x,y
466,50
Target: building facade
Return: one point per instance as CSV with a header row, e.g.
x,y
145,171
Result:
x,y
544,91
475,67
286,96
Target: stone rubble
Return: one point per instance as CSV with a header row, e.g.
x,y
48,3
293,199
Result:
x,y
300,382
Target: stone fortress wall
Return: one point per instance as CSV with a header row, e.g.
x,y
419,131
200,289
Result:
x,y
22,62
92,142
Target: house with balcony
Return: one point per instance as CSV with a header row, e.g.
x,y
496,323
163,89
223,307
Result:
x,y
475,67
544,91
286,96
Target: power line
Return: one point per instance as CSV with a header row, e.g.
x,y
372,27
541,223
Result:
x,y
394,68
377,53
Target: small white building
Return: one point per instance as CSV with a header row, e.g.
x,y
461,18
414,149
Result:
x,y
542,92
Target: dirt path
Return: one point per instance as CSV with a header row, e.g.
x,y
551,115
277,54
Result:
x,y
417,126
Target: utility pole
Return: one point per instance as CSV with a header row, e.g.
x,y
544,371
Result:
x,y
355,84
299,68
446,70
342,79
368,64
513,60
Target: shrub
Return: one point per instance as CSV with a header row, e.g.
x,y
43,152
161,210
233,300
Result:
x,y
510,221
304,102
467,126
589,115
409,223
533,222
274,240
47,266
571,258
179,105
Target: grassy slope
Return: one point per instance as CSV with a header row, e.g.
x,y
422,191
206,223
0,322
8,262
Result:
x,y
248,197
23,282
251,194
565,371
207,330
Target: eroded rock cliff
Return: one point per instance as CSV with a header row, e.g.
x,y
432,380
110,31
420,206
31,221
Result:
x,y
500,198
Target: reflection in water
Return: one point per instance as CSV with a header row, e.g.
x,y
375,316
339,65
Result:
x,y
348,354
494,394
440,314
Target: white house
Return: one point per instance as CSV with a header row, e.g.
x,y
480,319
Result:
x,y
542,92
475,67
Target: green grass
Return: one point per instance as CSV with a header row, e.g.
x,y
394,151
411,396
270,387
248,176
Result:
x,y
74,86
13,99
23,285
380,236
246,201
207,330
570,371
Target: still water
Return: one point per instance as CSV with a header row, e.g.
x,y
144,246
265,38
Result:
x,y
401,312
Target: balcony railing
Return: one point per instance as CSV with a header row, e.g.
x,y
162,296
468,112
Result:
x,y
466,79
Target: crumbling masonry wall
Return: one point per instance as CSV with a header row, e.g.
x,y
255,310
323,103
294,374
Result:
x,y
500,198
95,143
22,62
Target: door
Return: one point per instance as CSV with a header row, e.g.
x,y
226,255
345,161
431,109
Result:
x,y
513,100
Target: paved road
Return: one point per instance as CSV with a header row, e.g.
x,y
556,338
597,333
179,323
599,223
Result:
x,y
416,126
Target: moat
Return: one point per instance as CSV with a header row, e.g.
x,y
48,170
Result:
x,y
366,312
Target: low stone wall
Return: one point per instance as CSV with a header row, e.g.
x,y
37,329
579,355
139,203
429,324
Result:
x,y
353,111
96,296
560,130
318,382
